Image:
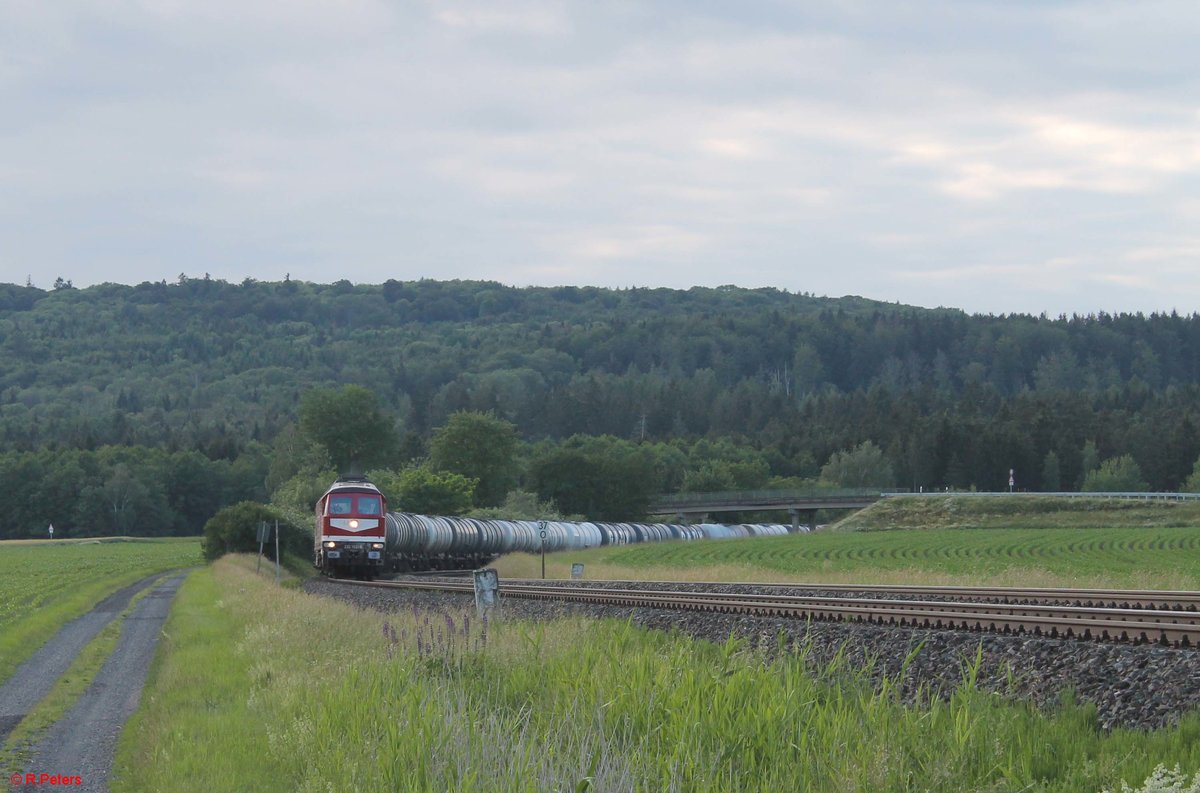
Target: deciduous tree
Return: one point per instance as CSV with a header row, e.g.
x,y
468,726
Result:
x,y
479,446
863,466
350,424
1116,475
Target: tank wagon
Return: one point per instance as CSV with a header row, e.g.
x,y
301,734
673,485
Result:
x,y
355,535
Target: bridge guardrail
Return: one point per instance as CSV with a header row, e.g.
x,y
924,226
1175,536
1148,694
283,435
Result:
x,y
726,497
1148,496
736,496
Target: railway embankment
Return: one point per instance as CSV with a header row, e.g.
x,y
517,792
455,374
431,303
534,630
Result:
x,y
1130,685
1020,511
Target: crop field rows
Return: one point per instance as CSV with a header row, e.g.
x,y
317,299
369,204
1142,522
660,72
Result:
x,y
44,585
1118,554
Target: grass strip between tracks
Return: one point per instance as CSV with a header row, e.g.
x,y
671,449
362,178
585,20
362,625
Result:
x,y
257,687
67,691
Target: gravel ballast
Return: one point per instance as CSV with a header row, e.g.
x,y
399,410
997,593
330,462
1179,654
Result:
x,y
1137,686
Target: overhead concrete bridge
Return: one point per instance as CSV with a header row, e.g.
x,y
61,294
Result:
x,y
802,505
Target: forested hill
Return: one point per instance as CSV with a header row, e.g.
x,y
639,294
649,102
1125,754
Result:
x,y
209,365
203,366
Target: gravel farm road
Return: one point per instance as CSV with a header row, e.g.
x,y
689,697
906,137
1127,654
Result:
x,y
82,742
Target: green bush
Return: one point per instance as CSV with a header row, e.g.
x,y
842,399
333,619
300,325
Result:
x,y
235,529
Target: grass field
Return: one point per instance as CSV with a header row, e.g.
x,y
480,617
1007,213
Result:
x,y
1161,558
265,688
44,584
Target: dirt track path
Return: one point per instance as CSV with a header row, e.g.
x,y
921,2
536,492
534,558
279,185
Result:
x,y
34,678
83,741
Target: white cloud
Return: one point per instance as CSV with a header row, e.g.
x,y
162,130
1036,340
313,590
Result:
x,y
629,242
498,16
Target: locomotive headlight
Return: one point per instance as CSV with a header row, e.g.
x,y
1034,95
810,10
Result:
x,y
354,524
331,545
378,546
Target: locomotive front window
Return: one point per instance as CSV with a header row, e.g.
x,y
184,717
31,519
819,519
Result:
x,y
368,505
341,505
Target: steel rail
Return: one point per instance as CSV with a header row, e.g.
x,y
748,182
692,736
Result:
x,y
1172,600
1179,628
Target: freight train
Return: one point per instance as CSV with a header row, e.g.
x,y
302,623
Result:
x,y
356,536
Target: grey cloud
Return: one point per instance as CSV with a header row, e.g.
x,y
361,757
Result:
x,y
996,156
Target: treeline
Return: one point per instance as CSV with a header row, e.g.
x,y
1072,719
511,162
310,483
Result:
x,y
1051,440
476,461
476,465
951,400
202,364
120,491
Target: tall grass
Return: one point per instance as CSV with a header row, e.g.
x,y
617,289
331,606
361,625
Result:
x,y
263,688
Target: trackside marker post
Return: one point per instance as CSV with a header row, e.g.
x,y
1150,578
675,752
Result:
x,y
487,587
542,534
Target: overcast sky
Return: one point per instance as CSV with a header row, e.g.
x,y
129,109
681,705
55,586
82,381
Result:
x,y
998,157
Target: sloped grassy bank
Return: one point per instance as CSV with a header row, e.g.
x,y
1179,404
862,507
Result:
x,y
1019,511
267,688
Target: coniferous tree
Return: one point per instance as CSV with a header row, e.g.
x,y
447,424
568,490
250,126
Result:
x,y
1089,462
1051,475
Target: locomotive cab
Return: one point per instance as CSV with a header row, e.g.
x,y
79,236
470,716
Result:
x,y
349,535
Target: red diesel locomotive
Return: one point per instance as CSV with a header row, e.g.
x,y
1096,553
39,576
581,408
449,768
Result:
x,y
350,533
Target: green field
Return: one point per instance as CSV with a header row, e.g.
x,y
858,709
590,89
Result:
x,y
1160,558
43,585
265,688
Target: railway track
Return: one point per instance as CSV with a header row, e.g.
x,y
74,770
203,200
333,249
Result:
x,y
1140,617
1170,600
